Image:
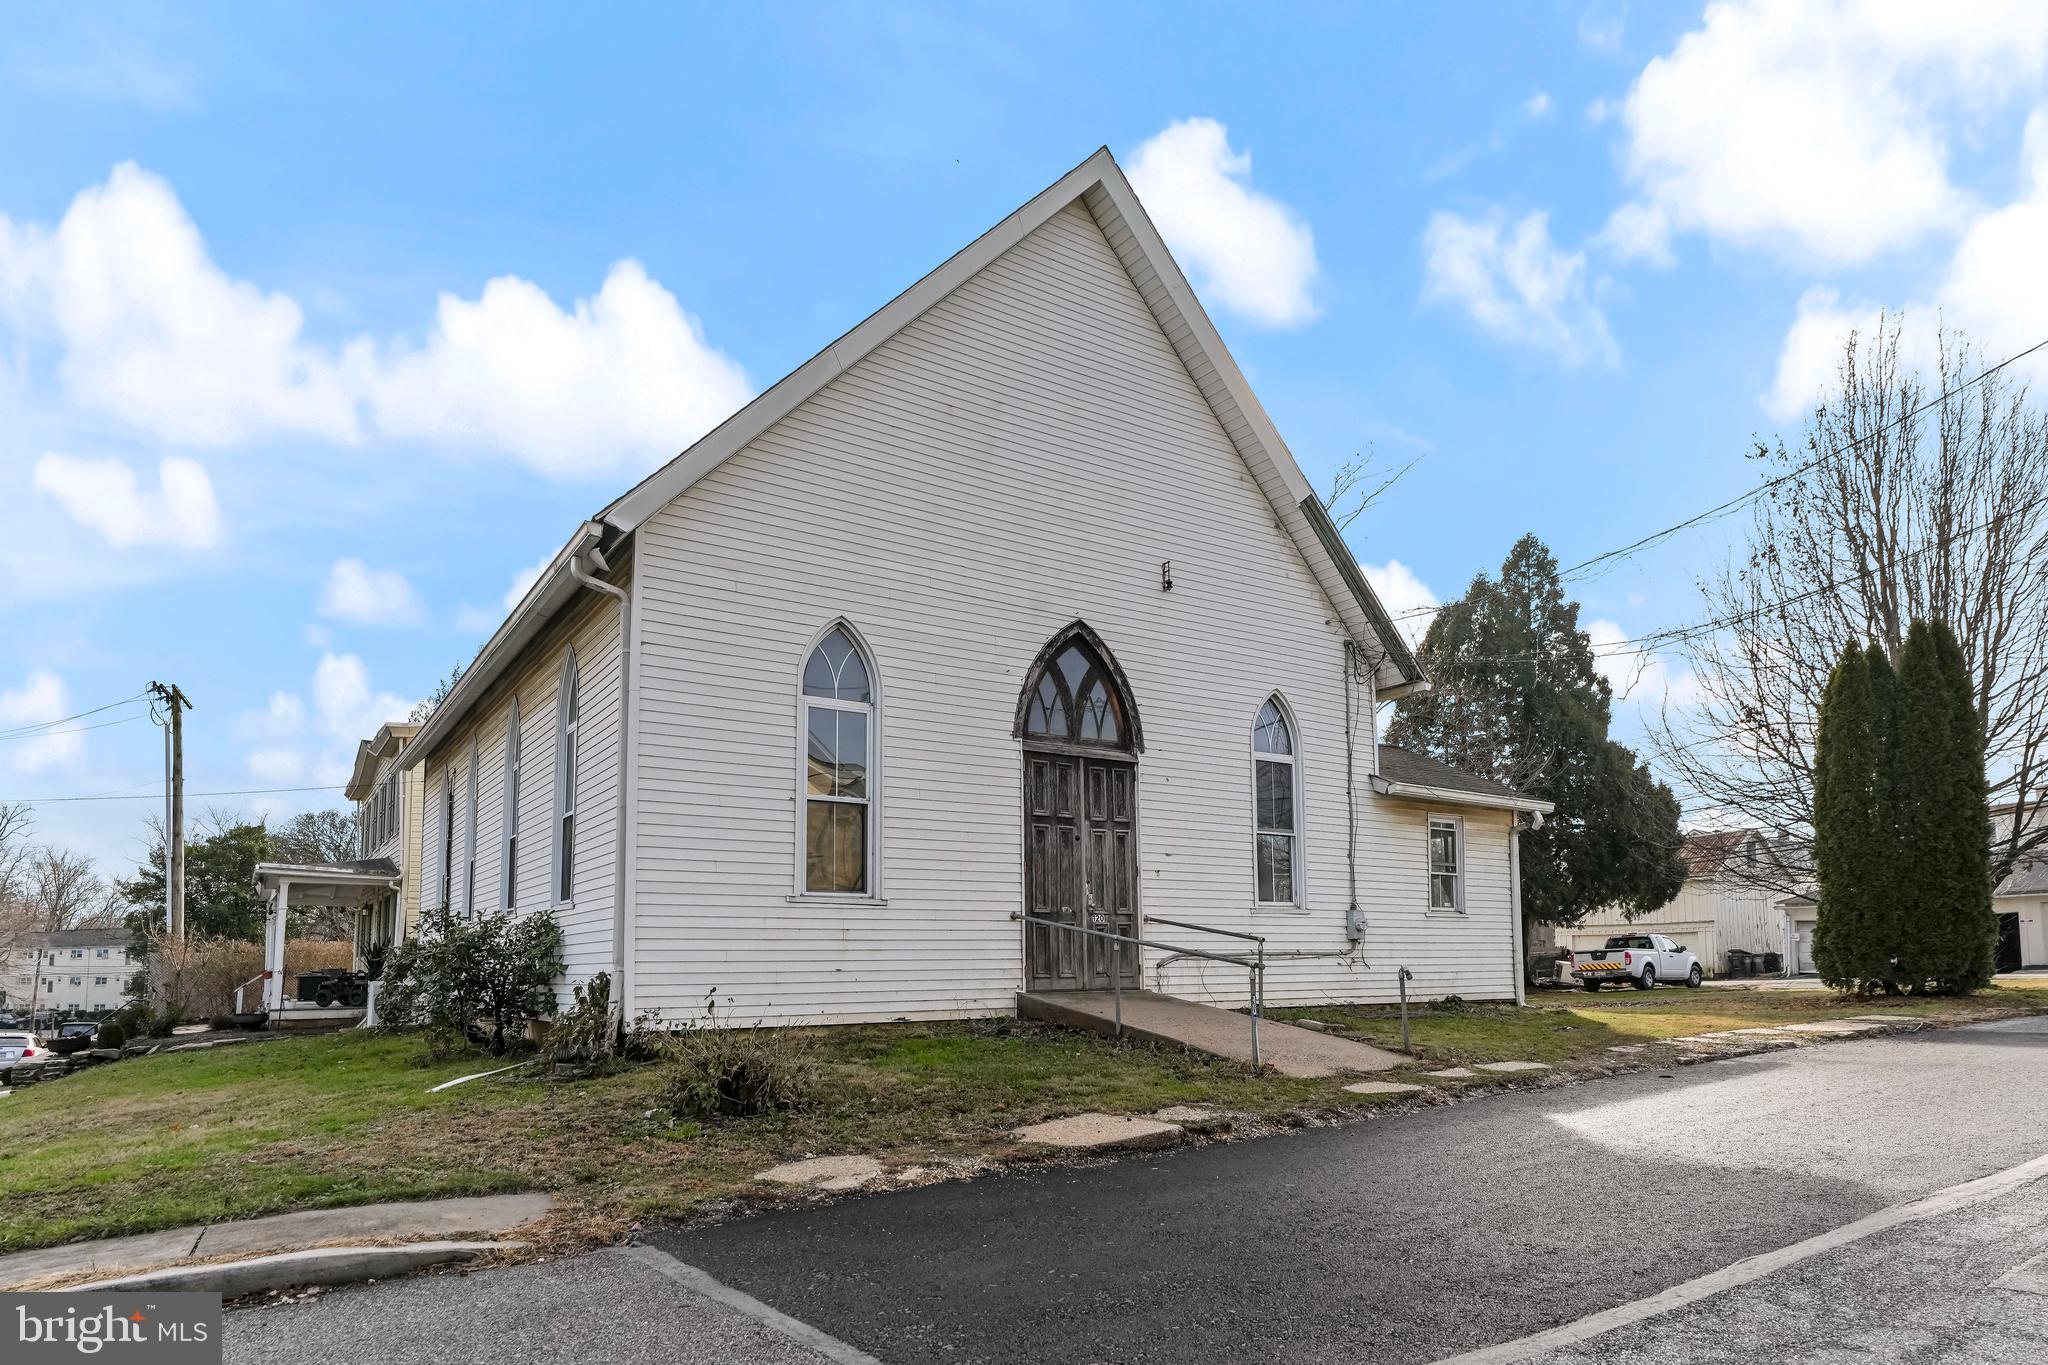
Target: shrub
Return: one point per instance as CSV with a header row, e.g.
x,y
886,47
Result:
x,y
460,974
586,1031
111,1034
738,1072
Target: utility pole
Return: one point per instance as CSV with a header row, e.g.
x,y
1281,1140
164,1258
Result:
x,y
175,703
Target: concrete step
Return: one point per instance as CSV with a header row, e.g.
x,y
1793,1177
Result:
x,y
1157,1018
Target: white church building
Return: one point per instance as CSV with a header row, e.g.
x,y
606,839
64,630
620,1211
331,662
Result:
x,y
1007,612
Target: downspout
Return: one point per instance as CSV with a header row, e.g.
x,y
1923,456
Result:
x,y
1515,906
625,601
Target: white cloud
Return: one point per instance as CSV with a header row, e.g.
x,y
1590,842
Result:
x,y
1407,598
277,765
347,708
1637,676
356,593
41,698
157,335
283,717
1538,106
523,581
151,331
1638,232
623,381
1516,284
1994,290
1248,251
105,496
316,636
1816,125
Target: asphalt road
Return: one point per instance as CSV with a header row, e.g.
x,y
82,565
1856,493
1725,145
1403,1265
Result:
x,y
1408,1238
1403,1239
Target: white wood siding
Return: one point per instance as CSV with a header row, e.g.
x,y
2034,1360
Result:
x,y
1026,453
591,629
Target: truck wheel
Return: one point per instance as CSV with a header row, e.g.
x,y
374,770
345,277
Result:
x,y
1590,984
1694,977
1648,980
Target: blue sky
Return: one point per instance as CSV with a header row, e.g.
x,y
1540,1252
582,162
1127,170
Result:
x,y
318,327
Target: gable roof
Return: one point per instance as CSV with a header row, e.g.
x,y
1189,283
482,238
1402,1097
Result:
x,y
2029,877
1403,772
391,737
1099,185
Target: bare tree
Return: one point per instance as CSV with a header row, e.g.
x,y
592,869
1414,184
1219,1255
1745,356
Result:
x,y
1899,503
1359,483
67,892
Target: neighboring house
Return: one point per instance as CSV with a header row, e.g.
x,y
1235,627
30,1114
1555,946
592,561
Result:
x,y
84,972
1010,600
380,886
2021,904
388,801
1734,894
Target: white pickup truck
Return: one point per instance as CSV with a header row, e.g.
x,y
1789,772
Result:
x,y
1642,960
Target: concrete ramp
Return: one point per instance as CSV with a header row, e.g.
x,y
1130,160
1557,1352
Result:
x,y
1159,1018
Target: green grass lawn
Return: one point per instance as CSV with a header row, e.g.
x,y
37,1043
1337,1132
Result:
x,y
176,1138
298,1123
1563,1027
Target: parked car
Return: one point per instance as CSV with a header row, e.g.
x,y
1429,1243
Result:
x,y
1642,960
17,1047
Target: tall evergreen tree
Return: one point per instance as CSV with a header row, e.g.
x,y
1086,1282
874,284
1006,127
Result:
x,y
1517,699
1946,927
1853,938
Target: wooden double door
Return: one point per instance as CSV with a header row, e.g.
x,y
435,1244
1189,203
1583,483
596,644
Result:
x,y
1080,868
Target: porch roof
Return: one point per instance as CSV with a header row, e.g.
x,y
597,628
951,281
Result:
x,y
328,884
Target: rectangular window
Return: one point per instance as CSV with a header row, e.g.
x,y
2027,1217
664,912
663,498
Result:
x,y
469,880
99,981
508,872
448,841
835,799
566,866
1446,863
1275,799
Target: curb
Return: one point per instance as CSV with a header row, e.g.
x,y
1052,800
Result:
x,y
287,1270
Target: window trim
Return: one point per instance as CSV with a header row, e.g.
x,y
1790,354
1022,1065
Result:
x,y
872,893
568,728
1429,872
508,815
1298,901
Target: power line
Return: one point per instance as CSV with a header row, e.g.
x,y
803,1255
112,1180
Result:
x,y
1723,508
60,720
75,730
154,796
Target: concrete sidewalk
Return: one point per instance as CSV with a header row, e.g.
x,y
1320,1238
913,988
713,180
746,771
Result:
x,y
1157,1018
427,1220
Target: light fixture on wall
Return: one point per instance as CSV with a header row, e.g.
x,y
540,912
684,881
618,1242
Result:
x,y
1166,575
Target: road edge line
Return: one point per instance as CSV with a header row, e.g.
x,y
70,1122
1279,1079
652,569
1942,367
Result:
x,y
690,1277
1754,1267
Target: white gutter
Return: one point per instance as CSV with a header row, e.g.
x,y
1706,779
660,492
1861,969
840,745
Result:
x,y
1416,791
554,586
582,575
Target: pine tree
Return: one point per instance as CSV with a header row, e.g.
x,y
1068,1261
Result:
x,y
1944,824
1517,698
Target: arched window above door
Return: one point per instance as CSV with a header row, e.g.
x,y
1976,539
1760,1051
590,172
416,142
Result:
x,y
1076,695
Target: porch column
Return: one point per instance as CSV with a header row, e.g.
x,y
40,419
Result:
x,y
273,948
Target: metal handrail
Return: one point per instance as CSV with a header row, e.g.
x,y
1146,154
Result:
x,y
1254,964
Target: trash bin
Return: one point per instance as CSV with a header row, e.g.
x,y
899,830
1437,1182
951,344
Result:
x,y
1741,963
1773,963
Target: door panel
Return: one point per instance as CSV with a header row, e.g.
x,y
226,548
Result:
x,y
1080,867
